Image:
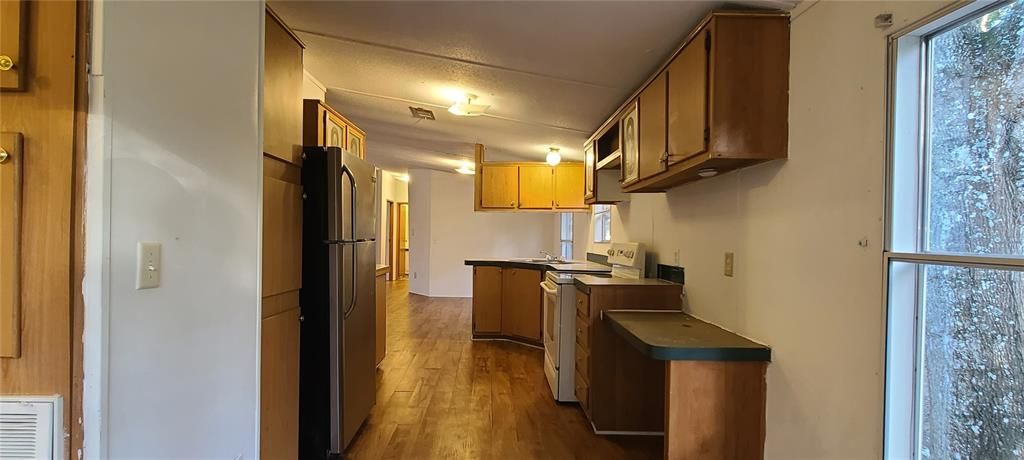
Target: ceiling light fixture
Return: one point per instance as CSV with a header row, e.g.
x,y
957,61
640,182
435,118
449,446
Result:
x,y
707,172
553,156
402,177
467,108
465,169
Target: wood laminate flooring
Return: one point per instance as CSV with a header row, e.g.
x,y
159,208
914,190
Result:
x,y
442,395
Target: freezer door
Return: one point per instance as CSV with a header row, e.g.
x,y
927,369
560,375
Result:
x,y
352,197
359,338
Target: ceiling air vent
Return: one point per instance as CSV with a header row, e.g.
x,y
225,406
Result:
x,y
27,427
420,112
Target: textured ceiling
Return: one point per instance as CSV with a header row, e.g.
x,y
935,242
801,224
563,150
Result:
x,y
550,71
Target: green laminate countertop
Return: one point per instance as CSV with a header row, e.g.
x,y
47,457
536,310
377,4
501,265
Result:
x,y
676,336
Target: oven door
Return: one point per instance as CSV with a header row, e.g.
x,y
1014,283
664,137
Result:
x,y
551,326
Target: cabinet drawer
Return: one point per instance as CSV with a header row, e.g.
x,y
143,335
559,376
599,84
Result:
x,y
582,305
583,393
583,362
582,331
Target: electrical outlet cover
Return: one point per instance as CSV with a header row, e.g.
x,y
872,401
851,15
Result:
x,y
148,265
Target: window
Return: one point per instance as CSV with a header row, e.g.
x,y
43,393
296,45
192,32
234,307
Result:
x,y
602,223
565,235
955,244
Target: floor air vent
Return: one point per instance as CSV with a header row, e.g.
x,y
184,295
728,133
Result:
x,y
30,427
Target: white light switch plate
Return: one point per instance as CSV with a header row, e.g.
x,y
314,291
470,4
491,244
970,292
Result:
x,y
148,266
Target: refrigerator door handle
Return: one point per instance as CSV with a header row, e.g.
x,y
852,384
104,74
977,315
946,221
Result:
x,y
354,271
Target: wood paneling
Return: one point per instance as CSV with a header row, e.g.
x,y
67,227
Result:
x,y
715,410
652,110
499,186
356,141
12,44
536,187
521,303
10,245
441,395
569,186
382,317
282,92
275,304
45,114
487,299
279,386
282,236
688,101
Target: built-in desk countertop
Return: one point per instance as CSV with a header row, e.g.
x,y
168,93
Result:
x,y
676,336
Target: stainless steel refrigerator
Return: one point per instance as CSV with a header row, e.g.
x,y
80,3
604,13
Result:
x,y
337,369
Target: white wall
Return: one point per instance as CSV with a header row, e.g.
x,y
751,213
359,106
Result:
x,y
312,88
445,231
802,283
177,161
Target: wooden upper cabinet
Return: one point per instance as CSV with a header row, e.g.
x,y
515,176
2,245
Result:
x,y
499,187
282,92
589,165
569,186
356,141
536,187
688,100
652,107
12,45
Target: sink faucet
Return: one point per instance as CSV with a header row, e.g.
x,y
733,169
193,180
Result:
x,y
549,257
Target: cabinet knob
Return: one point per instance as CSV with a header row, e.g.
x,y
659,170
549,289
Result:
x,y
6,63
4,156
513,204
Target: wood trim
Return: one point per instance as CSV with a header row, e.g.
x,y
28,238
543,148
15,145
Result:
x,y
276,168
84,56
280,20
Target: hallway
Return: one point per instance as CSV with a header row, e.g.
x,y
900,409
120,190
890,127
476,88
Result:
x,y
441,395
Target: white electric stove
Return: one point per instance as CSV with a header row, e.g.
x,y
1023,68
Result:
x,y
627,261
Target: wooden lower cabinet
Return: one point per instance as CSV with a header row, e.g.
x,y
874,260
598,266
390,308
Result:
x,y
507,303
279,385
486,300
382,316
521,303
620,389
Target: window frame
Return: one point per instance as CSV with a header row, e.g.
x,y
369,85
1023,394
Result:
x,y
905,239
565,217
602,212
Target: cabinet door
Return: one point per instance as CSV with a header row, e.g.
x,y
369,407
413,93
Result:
x,y
282,93
652,127
356,142
12,36
279,385
487,300
569,186
521,303
499,186
536,187
687,101
589,163
382,318
282,232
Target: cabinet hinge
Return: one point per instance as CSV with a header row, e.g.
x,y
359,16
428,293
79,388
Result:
x,y
707,135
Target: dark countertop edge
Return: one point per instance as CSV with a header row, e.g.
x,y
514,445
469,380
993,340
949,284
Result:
x,y
692,354
542,266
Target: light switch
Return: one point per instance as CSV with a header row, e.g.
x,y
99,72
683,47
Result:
x,y
148,266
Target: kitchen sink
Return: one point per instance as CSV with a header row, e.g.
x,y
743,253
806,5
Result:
x,y
536,260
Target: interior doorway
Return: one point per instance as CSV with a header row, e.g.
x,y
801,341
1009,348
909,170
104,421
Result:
x,y
398,239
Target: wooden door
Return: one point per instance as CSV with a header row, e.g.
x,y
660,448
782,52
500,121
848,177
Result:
x,y
40,211
356,141
569,186
402,255
536,187
652,127
499,186
688,101
279,385
521,303
282,92
487,298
